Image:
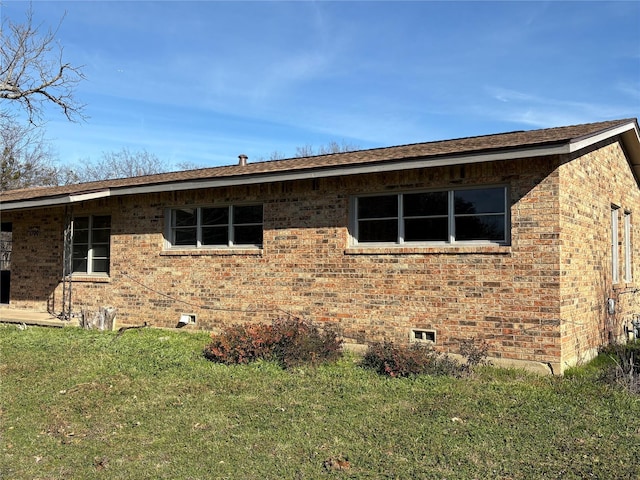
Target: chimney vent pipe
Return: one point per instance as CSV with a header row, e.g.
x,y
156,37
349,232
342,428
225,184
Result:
x,y
242,160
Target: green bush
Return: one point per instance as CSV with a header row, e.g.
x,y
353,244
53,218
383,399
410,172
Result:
x,y
393,360
288,341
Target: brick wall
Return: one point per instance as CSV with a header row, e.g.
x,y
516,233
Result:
x,y
36,260
512,296
589,186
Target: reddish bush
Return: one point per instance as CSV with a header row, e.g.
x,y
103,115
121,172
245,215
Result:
x,y
240,344
408,360
288,341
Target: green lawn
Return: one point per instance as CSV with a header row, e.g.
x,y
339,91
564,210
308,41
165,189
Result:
x,y
83,405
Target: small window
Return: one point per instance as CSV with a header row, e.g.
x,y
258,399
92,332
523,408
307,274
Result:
x,y
615,256
91,244
628,275
215,227
448,216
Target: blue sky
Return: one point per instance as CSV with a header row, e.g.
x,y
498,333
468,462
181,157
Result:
x,y
204,81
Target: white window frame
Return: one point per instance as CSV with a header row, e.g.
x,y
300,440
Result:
x,y
170,227
91,244
451,218
615,253
628,274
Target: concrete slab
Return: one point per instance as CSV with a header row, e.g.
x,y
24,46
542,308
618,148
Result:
x,y
32,317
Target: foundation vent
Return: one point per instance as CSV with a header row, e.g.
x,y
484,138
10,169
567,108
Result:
x,y
422,336
186,319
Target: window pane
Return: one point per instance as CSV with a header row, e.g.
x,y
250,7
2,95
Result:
x,y
215,216
215,235
484,200
378,207
102,222
100,265
101,236
80,251
80,236
185,236
378,231
185,217
79,265
81,223
101,251
247,214
486,227
615,265
425,204
248,235
627,247
426,229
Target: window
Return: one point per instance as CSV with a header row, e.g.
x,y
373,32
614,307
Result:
x,y
201,227
450,216
628,276
615,263
91,238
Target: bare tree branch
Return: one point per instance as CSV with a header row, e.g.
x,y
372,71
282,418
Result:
x,y
331,147
33,73
26,158
121,164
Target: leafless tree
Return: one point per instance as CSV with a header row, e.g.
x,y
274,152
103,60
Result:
x,y
310,151
331,147
33,72
121,164
188,165
26,158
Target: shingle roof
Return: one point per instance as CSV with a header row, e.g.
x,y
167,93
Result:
x,y
430,150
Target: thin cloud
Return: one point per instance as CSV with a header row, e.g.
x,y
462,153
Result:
x,y
205,81
538,111
630,89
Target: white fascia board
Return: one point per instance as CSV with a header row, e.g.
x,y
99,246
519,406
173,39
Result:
x,y
593,139
89,196
342,170
387,166
53,202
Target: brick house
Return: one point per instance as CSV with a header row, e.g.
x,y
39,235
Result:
x,y
526,239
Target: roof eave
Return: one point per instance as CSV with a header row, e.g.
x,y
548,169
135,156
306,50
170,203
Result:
x,y
628,132
54,201
271,177
631,143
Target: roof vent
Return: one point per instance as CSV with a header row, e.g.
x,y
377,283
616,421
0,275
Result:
x,y
242,160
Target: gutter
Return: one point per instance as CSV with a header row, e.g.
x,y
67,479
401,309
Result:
x,y
423,162
628,133
303,174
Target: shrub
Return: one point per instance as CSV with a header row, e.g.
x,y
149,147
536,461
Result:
x,y
625,370
288,341
394,360
297,342
475,352
240,344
